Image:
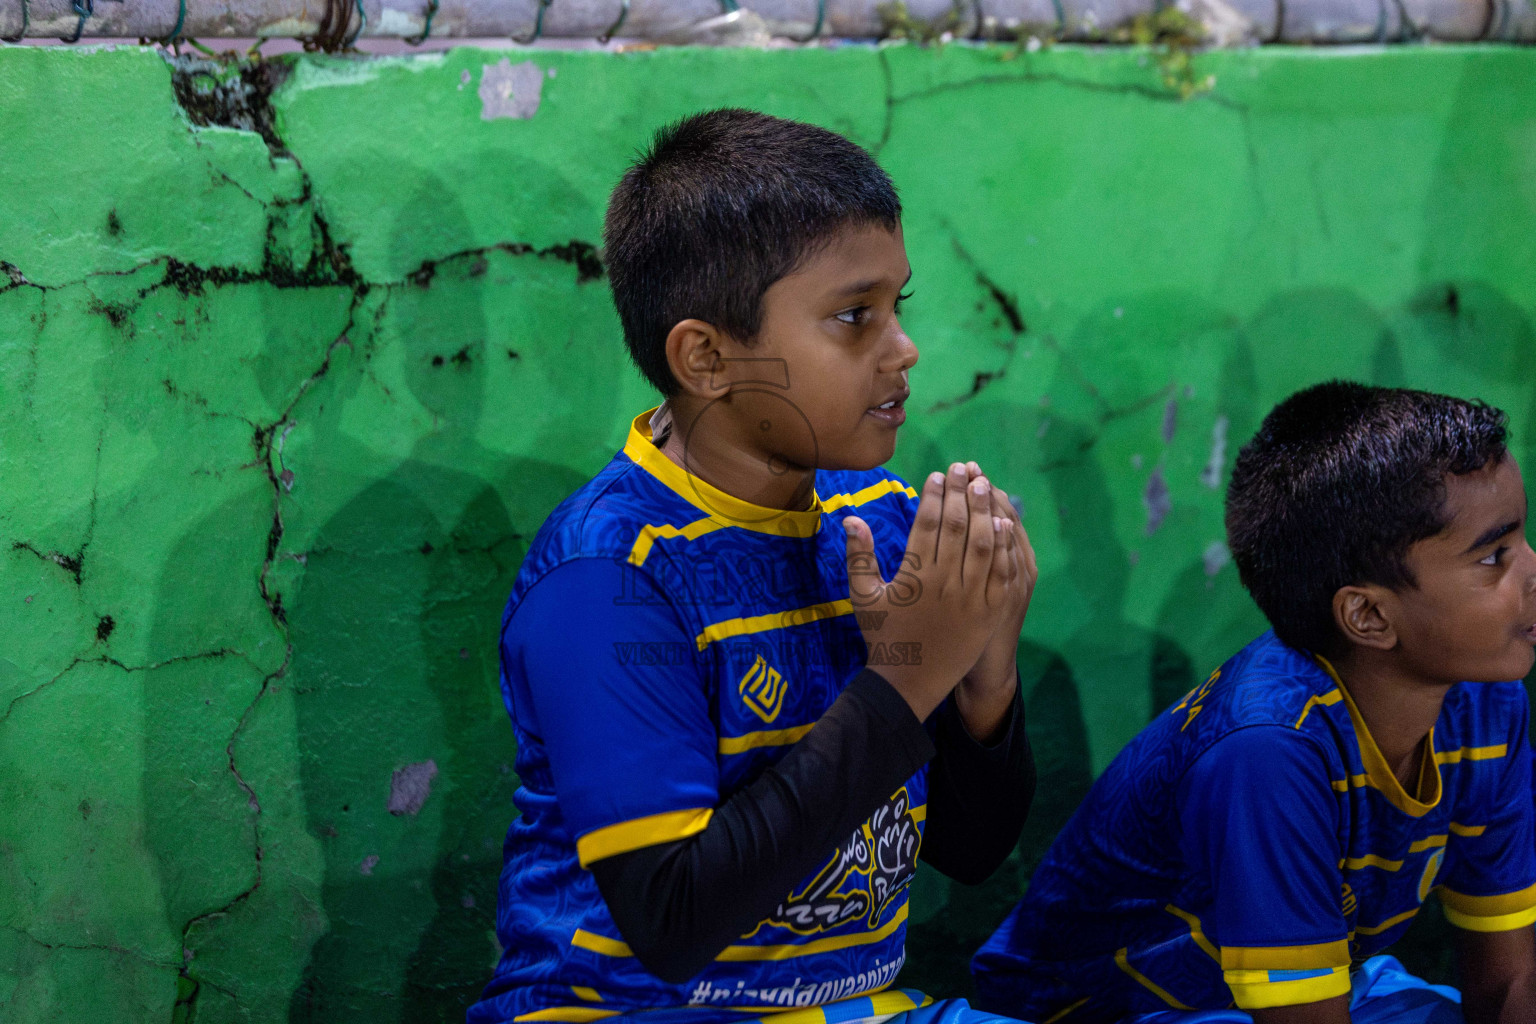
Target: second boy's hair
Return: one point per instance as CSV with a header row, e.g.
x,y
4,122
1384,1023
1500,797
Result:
x,y
1339,482
720,207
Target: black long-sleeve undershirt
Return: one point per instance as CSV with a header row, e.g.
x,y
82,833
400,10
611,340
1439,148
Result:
x,y
678,904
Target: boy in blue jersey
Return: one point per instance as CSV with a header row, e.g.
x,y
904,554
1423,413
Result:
x,y
1246,855
752,676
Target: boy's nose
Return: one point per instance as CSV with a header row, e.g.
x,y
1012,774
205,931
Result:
x,y
905,350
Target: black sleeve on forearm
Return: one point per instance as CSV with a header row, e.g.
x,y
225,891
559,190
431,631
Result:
x,y
978,796
678,904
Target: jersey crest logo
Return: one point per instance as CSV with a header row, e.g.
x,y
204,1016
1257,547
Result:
x,y
762,690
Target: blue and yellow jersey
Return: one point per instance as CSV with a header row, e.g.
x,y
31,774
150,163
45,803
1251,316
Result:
x,y
664,643
1251,844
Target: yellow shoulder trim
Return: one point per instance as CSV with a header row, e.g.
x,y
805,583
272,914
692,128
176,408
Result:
x,y
1378,774
1326,700
649,535
1472,754
591,995
1371,860
1196,931
569,1014
710,499
1501,913
773,620
753,954
1123,961
766,738
641,832
1258,990
1285,958
865,495
1467,830
599,944
1428,843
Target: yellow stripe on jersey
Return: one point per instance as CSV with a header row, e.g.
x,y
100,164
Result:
x,y
752,954
1053,1018
1371,860
766,738
1196,931
589,994
1391,922
600,944
919,813
1326,700
1471,754
641,832
651,534
1285,958
1123,960
883,1004
1428,843
773,620
1258,990
1467,830
569,1014
865,495
1501,913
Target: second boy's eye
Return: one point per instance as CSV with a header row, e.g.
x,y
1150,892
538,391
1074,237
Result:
x,y
1496,558
855,316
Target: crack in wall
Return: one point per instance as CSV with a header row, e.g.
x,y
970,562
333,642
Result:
x,y
105,659
1008,307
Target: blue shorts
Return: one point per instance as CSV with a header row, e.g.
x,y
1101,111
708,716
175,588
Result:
x,y
1383,992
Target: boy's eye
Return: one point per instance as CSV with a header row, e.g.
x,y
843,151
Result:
x,y
903,297
1494,559
855,316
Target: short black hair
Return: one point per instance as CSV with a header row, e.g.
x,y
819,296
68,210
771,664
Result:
x,y
1341,479
721,206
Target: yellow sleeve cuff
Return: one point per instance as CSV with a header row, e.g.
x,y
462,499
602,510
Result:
x,y
612,840
1502,913
1261,989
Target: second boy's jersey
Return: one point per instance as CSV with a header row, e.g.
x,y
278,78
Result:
x,y
664,643
1251,843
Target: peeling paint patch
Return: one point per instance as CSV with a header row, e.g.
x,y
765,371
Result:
x,y
369,863
1157,500
1211,474
510,90
1170,420
410,786
1216,556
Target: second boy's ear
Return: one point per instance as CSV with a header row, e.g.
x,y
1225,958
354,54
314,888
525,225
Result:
x,y
694,354
1364,615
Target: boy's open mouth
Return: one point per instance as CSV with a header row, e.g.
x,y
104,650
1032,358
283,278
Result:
x,y
892,411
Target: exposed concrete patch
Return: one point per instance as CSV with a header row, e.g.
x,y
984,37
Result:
x,y
1211,474
410,786
510,90
1157,500
1216,556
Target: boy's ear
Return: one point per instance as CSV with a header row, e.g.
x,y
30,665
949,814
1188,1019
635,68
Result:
x,y
694,355
1364,615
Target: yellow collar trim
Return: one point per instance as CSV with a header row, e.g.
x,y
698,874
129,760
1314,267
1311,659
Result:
x,y
1378,774
717,504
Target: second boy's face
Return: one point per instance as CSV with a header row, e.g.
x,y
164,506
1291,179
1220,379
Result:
x,y
832,326
1472,615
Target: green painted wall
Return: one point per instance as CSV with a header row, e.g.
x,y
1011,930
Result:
x,y
280,411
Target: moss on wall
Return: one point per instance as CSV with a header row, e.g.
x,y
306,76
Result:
x,y
294,359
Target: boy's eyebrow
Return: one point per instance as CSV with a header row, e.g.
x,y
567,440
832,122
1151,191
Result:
x,y
1489,536
860,287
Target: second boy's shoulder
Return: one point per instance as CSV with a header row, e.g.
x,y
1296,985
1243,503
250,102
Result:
x,y
1267,683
